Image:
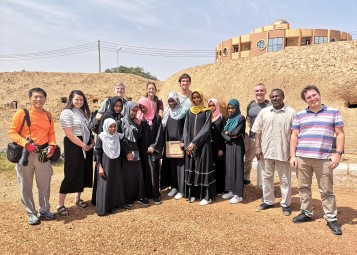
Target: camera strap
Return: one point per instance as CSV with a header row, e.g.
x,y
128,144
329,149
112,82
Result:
x,y
27,119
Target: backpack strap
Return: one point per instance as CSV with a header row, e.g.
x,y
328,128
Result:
x,y
107,103
249,106
48,116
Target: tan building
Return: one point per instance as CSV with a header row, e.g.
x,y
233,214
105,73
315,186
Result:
x,y
275,37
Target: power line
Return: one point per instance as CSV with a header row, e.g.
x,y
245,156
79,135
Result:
x,y
53,53
129,49
125,49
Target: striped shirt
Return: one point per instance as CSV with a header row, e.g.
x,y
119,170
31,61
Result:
x,y
316,132
70,120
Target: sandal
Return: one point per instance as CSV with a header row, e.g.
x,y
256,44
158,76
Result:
x,y
62,210
81,203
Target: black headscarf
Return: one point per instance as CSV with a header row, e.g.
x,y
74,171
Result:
x,y
111,111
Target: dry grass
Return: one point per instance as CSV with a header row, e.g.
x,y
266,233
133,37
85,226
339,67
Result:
x,y
177,227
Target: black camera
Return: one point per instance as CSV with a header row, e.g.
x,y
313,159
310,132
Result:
x,y
24,157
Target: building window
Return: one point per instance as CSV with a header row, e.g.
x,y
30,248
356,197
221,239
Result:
x,y
235,48
261,45
275,44
291,42
246,46
320,39
225,52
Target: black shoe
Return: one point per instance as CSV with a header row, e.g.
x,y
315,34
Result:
x,y
302,217
246,181
335,228
286,210
129,203
157,201
113,210
127,207
265,206
143,201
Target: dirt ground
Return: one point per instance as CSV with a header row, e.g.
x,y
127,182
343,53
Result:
x,y
178,227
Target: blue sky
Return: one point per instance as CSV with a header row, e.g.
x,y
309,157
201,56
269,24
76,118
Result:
x,y
149,32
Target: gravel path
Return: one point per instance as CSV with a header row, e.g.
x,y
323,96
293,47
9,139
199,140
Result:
x,y
178,227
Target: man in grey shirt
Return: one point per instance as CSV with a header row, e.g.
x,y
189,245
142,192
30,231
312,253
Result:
x,y
253,109
119,90
184,95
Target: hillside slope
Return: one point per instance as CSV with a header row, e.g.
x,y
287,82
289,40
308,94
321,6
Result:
x,y
15,86
332,67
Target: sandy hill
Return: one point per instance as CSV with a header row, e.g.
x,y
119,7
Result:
x,y
96,87
332,67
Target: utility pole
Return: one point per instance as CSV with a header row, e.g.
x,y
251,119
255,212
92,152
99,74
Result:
x,y
118,58
99,56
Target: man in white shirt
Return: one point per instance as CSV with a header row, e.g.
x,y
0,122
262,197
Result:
x,y
272,129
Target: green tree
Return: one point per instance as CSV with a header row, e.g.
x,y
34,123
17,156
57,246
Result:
x,y
133,70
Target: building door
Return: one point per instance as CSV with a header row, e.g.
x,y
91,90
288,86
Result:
x,y
308,40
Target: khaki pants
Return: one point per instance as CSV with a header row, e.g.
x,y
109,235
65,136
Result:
x,y
284,171
43,173
324,177
248,160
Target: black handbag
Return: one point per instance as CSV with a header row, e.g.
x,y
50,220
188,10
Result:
x,y
136,155
56,155
14,150
156,156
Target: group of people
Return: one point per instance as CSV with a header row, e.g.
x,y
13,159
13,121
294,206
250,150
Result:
x,y
131,163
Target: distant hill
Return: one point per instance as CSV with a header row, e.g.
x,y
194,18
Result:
x,y
332,67
15,86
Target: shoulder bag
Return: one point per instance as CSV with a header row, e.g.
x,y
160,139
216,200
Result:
x,y
14,150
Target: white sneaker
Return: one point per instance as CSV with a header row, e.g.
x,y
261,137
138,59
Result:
x,y
172,192
178,196
228,195
235,200
192,199
205,202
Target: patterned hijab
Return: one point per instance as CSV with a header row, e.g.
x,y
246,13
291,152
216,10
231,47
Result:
x,y
150,114
233,120
128,126
178,113
217,113
196,109
110,142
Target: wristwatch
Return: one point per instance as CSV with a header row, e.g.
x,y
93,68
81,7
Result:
x,y
339,152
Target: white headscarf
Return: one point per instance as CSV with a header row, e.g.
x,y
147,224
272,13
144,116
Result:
x,y
178,113
110,142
